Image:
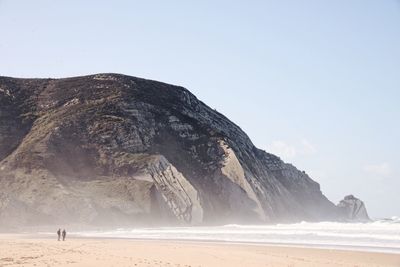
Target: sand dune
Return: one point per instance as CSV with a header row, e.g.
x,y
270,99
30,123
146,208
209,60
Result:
x,y
24,251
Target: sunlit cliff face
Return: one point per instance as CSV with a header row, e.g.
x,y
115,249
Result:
x,y
118,150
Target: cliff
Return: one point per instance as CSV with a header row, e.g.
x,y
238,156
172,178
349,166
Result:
x,y
115,149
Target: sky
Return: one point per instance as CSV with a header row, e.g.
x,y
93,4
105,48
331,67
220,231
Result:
x,y
315,82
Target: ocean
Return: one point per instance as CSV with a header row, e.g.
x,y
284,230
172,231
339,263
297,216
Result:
x,y
378,236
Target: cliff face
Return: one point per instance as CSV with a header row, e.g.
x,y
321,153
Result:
x,y
115,149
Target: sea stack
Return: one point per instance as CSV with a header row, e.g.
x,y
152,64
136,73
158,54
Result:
x,y
353,209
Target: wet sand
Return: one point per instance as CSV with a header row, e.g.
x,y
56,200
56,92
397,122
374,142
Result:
x,y
26,251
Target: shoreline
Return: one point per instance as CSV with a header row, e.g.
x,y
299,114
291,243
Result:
x,y
34,250
355,248
366,249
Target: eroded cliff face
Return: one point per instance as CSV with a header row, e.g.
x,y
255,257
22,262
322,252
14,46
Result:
x,y
114,149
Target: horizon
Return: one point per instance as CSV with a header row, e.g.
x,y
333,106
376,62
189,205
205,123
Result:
x,y
328,105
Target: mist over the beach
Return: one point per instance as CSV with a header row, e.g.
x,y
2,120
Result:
x,y
212,133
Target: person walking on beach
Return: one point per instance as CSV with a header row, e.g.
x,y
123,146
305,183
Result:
x,y
64,233
59,234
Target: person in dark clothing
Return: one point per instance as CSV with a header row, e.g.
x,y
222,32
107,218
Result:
x,y
59,234
64,233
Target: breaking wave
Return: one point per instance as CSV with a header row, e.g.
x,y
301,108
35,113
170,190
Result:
x,y
381,235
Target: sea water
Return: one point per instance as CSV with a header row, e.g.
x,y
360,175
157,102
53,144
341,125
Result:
x,y
379,235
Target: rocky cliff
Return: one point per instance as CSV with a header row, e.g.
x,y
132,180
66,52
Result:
x,y
114,149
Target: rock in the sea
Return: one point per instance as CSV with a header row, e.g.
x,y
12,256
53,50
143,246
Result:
x,y
120,150
353,209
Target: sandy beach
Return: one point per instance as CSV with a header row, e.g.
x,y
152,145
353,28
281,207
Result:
x,y
26,251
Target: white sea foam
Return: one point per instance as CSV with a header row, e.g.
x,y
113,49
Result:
x,y
381,235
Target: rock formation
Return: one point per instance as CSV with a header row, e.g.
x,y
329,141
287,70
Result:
x,y
353,209
119,150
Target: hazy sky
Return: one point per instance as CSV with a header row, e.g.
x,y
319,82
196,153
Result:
x,y
315,82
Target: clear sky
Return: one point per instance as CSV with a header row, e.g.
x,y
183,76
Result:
x,y
315,82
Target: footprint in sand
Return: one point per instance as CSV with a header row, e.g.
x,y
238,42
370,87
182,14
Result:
x,y
7,259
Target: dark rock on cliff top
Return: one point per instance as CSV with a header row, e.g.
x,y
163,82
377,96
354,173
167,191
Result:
x,y
353,209
114,149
